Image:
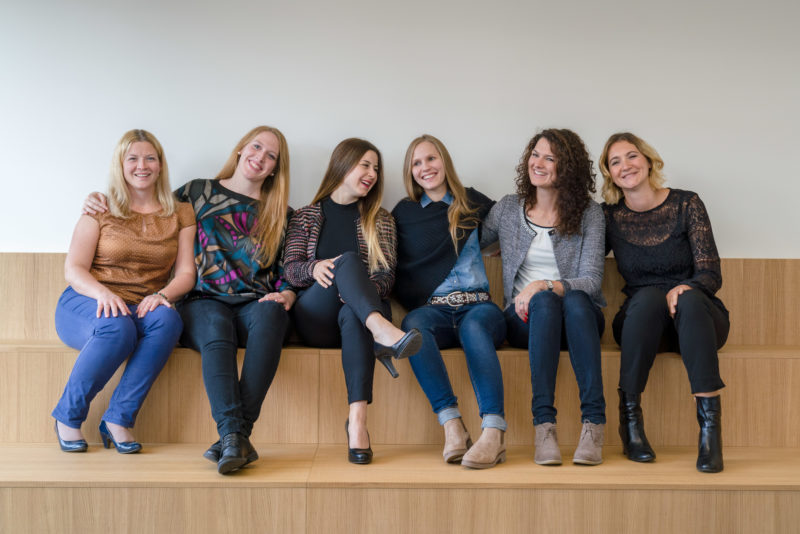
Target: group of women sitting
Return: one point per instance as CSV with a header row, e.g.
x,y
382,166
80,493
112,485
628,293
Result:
x,y
330,268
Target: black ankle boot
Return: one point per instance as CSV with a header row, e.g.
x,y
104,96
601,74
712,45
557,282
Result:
x,y
631,428
709,447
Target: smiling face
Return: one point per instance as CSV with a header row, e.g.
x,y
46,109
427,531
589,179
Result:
x,y
542,165
629,168
258,158
427,168
141,166
360,180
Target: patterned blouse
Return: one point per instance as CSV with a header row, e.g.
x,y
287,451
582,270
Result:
x,y
301,247
227,266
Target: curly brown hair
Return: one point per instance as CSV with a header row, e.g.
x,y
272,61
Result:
x,y
574,177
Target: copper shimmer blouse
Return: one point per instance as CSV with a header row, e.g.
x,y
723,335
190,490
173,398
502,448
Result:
x,y
135,256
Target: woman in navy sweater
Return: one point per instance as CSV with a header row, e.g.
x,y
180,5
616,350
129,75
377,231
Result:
x,y
441,279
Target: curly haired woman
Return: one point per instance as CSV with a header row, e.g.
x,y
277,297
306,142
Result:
x,y
552,243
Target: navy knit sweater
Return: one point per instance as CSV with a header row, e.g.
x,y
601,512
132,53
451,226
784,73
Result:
x,y
425,253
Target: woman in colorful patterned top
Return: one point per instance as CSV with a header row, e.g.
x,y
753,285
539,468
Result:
x,y
441,279
240,299
665,251
118,304
342,250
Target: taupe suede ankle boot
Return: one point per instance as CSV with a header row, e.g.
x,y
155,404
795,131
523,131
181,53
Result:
x,y
488,451
546,442
590,446
456,440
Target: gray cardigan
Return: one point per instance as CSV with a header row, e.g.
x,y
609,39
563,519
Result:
x,y
580,258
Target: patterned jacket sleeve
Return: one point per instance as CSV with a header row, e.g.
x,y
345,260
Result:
x,y
281,283
707,273
298,266
387,232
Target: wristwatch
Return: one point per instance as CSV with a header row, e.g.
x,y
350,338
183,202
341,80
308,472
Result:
x,y
549,284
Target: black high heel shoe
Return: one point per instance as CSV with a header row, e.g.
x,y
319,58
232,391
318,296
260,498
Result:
x,y
123,447
78,445
357,456
408,345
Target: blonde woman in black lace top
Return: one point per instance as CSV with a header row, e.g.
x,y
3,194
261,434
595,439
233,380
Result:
x,y
665,251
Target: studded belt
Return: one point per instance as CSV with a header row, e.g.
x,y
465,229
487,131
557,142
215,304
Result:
x,y
459,298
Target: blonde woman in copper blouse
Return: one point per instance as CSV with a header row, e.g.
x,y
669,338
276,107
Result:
x,y
118,304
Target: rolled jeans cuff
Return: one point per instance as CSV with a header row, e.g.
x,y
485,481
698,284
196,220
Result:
x,y
444,415
491,420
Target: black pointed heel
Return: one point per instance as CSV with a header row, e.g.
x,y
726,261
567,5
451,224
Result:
x,y
387,362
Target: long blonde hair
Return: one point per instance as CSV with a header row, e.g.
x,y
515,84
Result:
x,y
460,216
274,198
345,157
119,200
611,193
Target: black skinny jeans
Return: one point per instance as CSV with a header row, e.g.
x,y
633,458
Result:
x,y
216,330
323,320
643,327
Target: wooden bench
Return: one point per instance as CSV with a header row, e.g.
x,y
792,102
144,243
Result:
x,y
303,482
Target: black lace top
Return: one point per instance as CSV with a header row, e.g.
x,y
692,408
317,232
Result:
x,y
666,246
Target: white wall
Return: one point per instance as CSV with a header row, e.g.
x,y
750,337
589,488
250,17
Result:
x,y
714,86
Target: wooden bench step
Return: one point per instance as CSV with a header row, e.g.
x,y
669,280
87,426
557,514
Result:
x,y
407,488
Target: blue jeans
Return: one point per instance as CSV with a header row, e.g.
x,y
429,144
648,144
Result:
x,y
479,329
216,329
571,322
105,342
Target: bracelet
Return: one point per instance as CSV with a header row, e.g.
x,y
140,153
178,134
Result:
x,y
162,295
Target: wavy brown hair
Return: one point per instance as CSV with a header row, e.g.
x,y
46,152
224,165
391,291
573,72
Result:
x,y
461,217
611,193
574,177
345,157
273,201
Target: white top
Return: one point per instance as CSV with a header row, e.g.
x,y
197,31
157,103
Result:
x,y
540,262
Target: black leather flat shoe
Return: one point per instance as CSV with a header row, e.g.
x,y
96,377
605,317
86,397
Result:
x,y
235,449
78,445
356,456
408,345
212,454
123,447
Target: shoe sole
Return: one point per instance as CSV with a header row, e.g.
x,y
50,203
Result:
x,y
455,456
474,465
548,462
583,461
230,465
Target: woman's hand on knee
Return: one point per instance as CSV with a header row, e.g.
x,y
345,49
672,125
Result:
x,y
286,298
109,304
523,298
672,297
323,272
150,303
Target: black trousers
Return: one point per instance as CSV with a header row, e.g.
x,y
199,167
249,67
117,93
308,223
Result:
x,y
643,327
323,320
215,329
